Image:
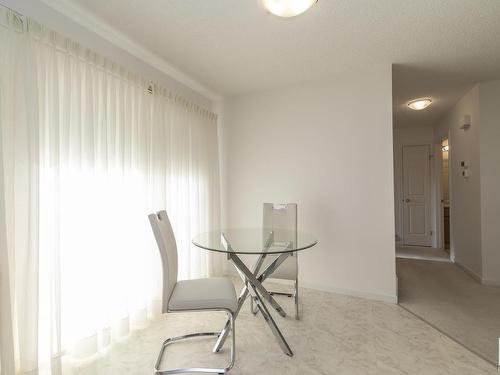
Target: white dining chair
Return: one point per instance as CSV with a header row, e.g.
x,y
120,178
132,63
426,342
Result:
x,y
281,219
211,294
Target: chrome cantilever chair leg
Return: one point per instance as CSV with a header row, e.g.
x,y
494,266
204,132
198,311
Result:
x,y
253,309
253,305
295,295
198,369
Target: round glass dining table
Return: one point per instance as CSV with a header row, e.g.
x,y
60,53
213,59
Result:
x,y
276,244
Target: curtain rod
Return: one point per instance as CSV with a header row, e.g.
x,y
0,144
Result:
x,y
11,18
12,10
186,102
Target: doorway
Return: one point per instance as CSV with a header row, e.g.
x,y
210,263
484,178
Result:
x,y
445,194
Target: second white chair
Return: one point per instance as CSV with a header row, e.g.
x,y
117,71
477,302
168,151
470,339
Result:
x,y
281,219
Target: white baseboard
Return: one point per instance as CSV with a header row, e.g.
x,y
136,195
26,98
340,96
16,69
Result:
x,y
488,282
231,272
331,289
470,272
350,292
479,278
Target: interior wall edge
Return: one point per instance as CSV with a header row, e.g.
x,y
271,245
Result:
x,y
465,197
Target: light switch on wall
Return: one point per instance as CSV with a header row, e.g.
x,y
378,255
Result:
x,y
465,169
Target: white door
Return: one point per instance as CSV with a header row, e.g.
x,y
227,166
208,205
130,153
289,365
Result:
x,y
416,196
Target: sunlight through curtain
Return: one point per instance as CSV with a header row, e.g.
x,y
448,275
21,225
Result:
x,y
99,149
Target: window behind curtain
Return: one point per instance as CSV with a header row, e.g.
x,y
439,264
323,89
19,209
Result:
x,y
107,148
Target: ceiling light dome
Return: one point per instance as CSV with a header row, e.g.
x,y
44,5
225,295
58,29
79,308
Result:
x,y
419,104
288,8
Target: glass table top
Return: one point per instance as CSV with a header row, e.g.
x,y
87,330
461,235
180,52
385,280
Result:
x,y
254,241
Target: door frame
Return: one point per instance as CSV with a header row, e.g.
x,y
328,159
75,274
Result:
x,y
439,211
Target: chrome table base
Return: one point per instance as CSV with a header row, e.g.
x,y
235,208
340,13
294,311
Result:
x,y
252,280
295,296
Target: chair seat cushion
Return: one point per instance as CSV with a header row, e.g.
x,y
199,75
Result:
x,y
199,294
286,271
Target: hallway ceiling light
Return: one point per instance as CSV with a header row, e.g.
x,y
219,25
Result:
x,y
419,104
288,8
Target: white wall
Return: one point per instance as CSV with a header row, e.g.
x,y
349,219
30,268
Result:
x,y
475,202
328,147
465,194
489,103
404,136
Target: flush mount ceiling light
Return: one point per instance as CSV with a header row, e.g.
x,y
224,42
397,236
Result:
x,y
419,104
288,8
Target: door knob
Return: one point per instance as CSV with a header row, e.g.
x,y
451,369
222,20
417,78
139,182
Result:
x,y
407,200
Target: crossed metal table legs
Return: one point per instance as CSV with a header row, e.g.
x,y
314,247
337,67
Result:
x,y
253,280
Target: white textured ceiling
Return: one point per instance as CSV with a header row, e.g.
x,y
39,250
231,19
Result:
x,y
444,88
235,46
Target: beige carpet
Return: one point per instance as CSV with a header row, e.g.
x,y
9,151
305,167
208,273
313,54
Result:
x,y
449,299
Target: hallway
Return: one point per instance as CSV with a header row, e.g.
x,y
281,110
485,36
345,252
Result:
x,y
427,253
449,299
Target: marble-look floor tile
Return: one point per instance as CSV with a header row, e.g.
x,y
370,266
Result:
x,y
336,335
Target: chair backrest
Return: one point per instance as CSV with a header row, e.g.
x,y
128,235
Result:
x,y
282,220
168,251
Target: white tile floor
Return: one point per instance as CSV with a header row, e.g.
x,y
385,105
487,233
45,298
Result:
x,y
336,335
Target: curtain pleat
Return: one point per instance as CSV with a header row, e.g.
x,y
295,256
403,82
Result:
x,y
91,149
19,255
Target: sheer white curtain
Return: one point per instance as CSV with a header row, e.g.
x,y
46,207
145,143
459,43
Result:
x,y
99,149
18,198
